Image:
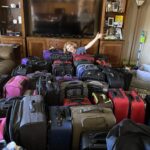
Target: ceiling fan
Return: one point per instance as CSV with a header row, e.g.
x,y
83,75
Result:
x,y
140,2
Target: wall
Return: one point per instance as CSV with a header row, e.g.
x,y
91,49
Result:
x,y
137,19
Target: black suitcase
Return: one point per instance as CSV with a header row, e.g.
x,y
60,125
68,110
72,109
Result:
x,y
5,103
93,140
3,79
147,116
126,75
60,130
28,125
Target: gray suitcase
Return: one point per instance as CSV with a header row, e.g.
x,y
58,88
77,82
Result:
x,y
27,124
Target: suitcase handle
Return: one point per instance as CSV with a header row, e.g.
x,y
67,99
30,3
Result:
x,y
31,106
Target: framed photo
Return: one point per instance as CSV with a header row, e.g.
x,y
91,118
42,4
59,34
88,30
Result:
x,y
110,21
115,6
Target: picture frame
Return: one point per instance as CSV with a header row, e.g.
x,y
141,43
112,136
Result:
x,y
115,6
110,21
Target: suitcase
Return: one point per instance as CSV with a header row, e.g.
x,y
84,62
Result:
x,y
2,125
93,140
120,103
79,62
97,87
3,79
88,57
60,130
85,68
15,86
126,75
102,100
76,101
89,117
49,90
65,78
5,103
93,75
137,107
29,60
74,88
147,116
28,124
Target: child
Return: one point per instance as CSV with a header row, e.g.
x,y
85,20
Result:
x,y
72,47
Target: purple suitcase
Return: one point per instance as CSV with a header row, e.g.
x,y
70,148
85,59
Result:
x,y
66,78
49,55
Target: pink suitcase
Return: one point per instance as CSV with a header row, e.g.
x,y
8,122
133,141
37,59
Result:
x,y
2,125
15,86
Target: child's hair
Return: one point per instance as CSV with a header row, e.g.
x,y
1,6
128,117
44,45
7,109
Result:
x,y
69,43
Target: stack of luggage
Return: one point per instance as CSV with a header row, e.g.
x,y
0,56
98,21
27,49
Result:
x,y
70,102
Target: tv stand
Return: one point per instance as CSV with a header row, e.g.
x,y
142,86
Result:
x,y
36,45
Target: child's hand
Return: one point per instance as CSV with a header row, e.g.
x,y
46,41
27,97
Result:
x,y
99,36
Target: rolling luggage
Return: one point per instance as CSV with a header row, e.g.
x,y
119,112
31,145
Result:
x,y
93,140
65,78
102,100
15,86
120,103
137,107
74,88
28,124
76,101
90,117
87,57
60,130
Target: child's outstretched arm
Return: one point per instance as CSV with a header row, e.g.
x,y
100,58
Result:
x,y
91,43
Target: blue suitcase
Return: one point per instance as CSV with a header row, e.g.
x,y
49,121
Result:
x,y
60,130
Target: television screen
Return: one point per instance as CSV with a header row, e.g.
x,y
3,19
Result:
x,y
74,18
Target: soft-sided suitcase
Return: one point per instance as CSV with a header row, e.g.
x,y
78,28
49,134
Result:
x,y
3,79
76,101
147,116
88,57
2,125
5,104
29,60
102,100
74,88
60,130
120,103
90,117
126,75
28,124
137,107
65,78
93,140
15,86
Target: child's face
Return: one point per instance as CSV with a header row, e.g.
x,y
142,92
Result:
x,y
70,48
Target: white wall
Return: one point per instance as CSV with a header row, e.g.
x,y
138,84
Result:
x,y
137,19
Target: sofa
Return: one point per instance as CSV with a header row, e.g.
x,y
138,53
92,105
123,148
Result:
x,y
7,58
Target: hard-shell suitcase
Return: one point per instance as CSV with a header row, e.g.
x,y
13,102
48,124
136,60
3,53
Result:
x,y
93,140
60,130
28,124
120,103
90,117
137,107
76,101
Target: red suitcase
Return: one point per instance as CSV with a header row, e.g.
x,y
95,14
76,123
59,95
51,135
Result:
x,y
83,57
76,101
120,103
137,107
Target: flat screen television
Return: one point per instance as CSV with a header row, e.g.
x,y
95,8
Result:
x,y
64,18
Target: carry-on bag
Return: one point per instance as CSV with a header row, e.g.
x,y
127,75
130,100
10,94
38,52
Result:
x,y
15,86
137,107
120,103
93,140
28,124
60,129
90,117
